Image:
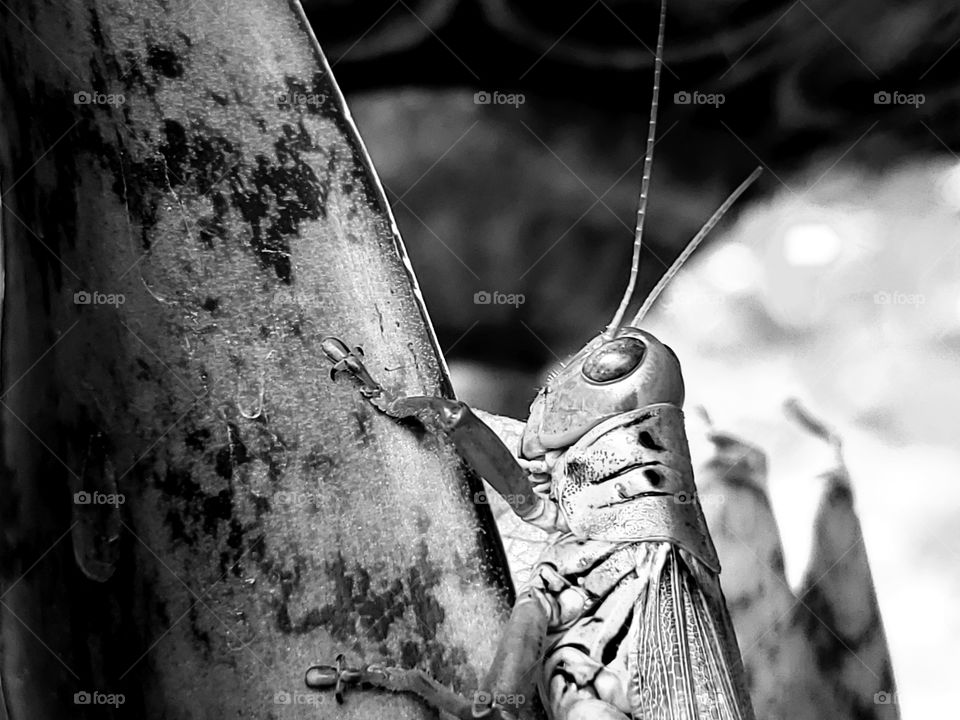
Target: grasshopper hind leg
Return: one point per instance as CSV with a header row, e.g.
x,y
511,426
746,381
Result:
x,y
508,686
593,709
400,680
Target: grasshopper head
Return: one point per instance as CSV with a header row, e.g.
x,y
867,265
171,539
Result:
x,y
624,368
609,376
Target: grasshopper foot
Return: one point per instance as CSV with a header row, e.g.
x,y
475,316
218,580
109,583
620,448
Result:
x,y
346,360
349,360
339,676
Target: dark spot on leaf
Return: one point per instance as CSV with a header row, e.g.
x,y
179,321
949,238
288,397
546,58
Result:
x,y
364,606
232,454
409,654
197,439
215,508
175,151
363,427
143,369
165,61
261,505
191,510
230,559
277,195
839,493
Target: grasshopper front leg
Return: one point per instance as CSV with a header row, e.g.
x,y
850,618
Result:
x,y
475,441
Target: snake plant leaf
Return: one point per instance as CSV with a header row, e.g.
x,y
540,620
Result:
x,y
193,510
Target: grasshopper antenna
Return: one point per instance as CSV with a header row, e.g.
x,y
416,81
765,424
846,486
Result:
x,y
644,183
692,245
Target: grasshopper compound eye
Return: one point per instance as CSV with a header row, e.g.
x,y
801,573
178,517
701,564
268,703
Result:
x,y
614,360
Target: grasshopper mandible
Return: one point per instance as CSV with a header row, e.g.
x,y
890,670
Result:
x,y
623,616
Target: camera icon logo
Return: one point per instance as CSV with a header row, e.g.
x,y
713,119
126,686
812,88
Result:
x,y
882,698
82,297
482,98
482,698
82,698
282,697
682,98
82,498
482,298
882,98
82,98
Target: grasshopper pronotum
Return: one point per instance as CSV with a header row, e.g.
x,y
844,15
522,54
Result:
x,y
623,616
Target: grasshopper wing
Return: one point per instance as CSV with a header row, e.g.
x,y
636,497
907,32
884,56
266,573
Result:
x,y
684,662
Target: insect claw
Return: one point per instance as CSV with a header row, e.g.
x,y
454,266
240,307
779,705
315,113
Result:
x,y
337,368
321,677
338,691
345,359
334,348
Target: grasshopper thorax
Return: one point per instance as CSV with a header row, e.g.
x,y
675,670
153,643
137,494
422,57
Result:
x,y
608,377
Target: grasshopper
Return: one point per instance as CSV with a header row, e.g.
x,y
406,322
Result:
x,y
623,616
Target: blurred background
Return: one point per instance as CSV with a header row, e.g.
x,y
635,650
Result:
x,y
509,137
